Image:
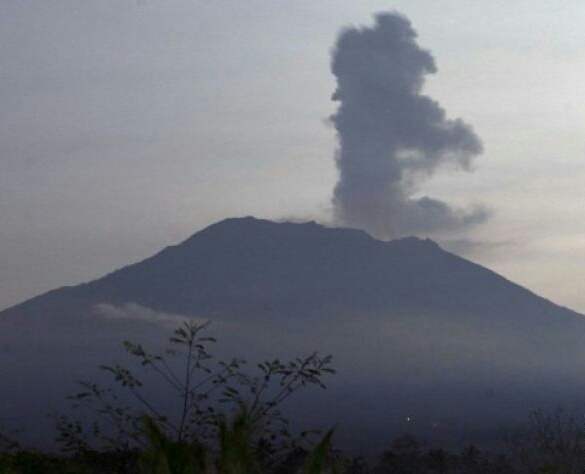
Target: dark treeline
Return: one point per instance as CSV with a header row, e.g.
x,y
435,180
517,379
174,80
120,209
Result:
x,y
405,456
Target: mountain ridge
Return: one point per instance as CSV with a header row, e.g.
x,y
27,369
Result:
x,y
259,242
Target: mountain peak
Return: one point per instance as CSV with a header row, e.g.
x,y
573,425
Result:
x,y
250,227
416,243
247,265
254,224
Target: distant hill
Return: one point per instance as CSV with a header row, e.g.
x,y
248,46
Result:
x,y
417,332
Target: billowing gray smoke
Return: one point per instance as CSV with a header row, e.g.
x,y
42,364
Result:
x,y
390,136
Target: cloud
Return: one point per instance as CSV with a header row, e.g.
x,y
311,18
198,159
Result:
x,y
469,247
135,312
391,137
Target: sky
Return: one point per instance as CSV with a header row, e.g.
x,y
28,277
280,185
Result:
x,y
127,126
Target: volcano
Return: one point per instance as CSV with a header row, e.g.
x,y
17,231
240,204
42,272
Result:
x,y
424,341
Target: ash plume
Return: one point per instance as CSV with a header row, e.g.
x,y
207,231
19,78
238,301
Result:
x,y
391,137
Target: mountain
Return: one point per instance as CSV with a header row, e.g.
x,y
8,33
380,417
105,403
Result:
x,y
255,266
425,341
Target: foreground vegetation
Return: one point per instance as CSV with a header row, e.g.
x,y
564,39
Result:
x,y
237,456
166,457
228,421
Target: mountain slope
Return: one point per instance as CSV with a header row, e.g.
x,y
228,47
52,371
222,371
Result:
x,y
254,266
415,330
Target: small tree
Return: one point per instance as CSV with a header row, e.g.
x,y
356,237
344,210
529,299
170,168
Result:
x,y
550,443
200,385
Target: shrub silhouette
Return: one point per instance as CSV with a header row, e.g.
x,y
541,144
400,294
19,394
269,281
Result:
x,y
165,456
236,454
550,443
257,434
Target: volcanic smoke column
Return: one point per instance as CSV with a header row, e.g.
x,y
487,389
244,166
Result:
x,y
391,137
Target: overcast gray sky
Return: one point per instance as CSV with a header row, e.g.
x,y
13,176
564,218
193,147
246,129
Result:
x,y
126,126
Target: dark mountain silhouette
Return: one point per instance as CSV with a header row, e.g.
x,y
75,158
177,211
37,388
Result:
x,y
252,266
418,332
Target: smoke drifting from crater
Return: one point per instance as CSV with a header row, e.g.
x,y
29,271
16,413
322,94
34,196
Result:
x,y
391,137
